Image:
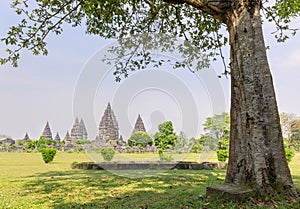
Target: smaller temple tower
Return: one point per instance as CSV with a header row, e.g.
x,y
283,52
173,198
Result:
x,y
79,130
75,131
108,127
47,132
26,138
69,143
83,129
139,125
57,141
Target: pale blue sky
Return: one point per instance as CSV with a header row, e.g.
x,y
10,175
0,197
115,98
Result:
x,y
42,88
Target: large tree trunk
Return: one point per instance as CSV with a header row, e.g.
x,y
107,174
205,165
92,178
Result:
x,y
257,156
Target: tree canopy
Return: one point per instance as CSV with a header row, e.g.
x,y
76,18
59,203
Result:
x,y
136,24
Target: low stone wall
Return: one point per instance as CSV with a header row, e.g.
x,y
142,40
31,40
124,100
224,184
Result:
x,y
140,165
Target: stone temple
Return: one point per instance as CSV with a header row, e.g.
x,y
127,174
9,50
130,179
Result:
x,y
108,127
69,143
79,131
57,141
26,138
83,129
47,132
139,125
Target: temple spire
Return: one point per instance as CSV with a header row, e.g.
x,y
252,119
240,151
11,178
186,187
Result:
x,y
75,131
57,140
69,142
108,127
83,129
47,131
78,130
26,138
139,125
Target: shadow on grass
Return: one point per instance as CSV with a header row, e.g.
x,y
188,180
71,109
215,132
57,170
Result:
x,y
101,189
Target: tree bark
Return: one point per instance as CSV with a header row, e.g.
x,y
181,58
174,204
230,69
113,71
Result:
x,y
257,156
256,152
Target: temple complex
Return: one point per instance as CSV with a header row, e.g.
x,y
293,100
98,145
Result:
x,y
47,132
108,135
139,125
108,127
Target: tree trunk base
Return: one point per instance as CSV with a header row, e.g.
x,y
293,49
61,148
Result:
x,y
229,192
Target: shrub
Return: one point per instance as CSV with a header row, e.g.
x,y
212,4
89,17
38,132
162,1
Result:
x,y
140,139
107,153
48,154
222,155
289,154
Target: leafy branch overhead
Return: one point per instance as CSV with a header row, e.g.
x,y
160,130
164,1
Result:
x,y
140,26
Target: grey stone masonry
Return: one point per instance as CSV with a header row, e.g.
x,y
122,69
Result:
x,y
229,192
139,125
47,131
75,131
69,143
83,129
57,140
78,130
108,127
26,138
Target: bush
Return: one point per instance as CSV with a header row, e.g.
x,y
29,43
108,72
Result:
x,y
222,155
289,154
48,154
140,139
107,153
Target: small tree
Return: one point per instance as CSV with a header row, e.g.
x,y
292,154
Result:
x,y
140,139
199,143
107,153
218,128
48,154
166,137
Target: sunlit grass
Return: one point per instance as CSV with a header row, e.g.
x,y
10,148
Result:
x,y
27,182
191,157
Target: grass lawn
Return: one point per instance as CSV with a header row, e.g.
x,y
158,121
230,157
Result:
x,y
191,157
27,182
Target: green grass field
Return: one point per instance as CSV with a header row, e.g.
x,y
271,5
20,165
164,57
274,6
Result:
x,y
27,182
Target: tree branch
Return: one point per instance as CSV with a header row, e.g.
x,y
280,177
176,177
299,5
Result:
x,y
216,8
